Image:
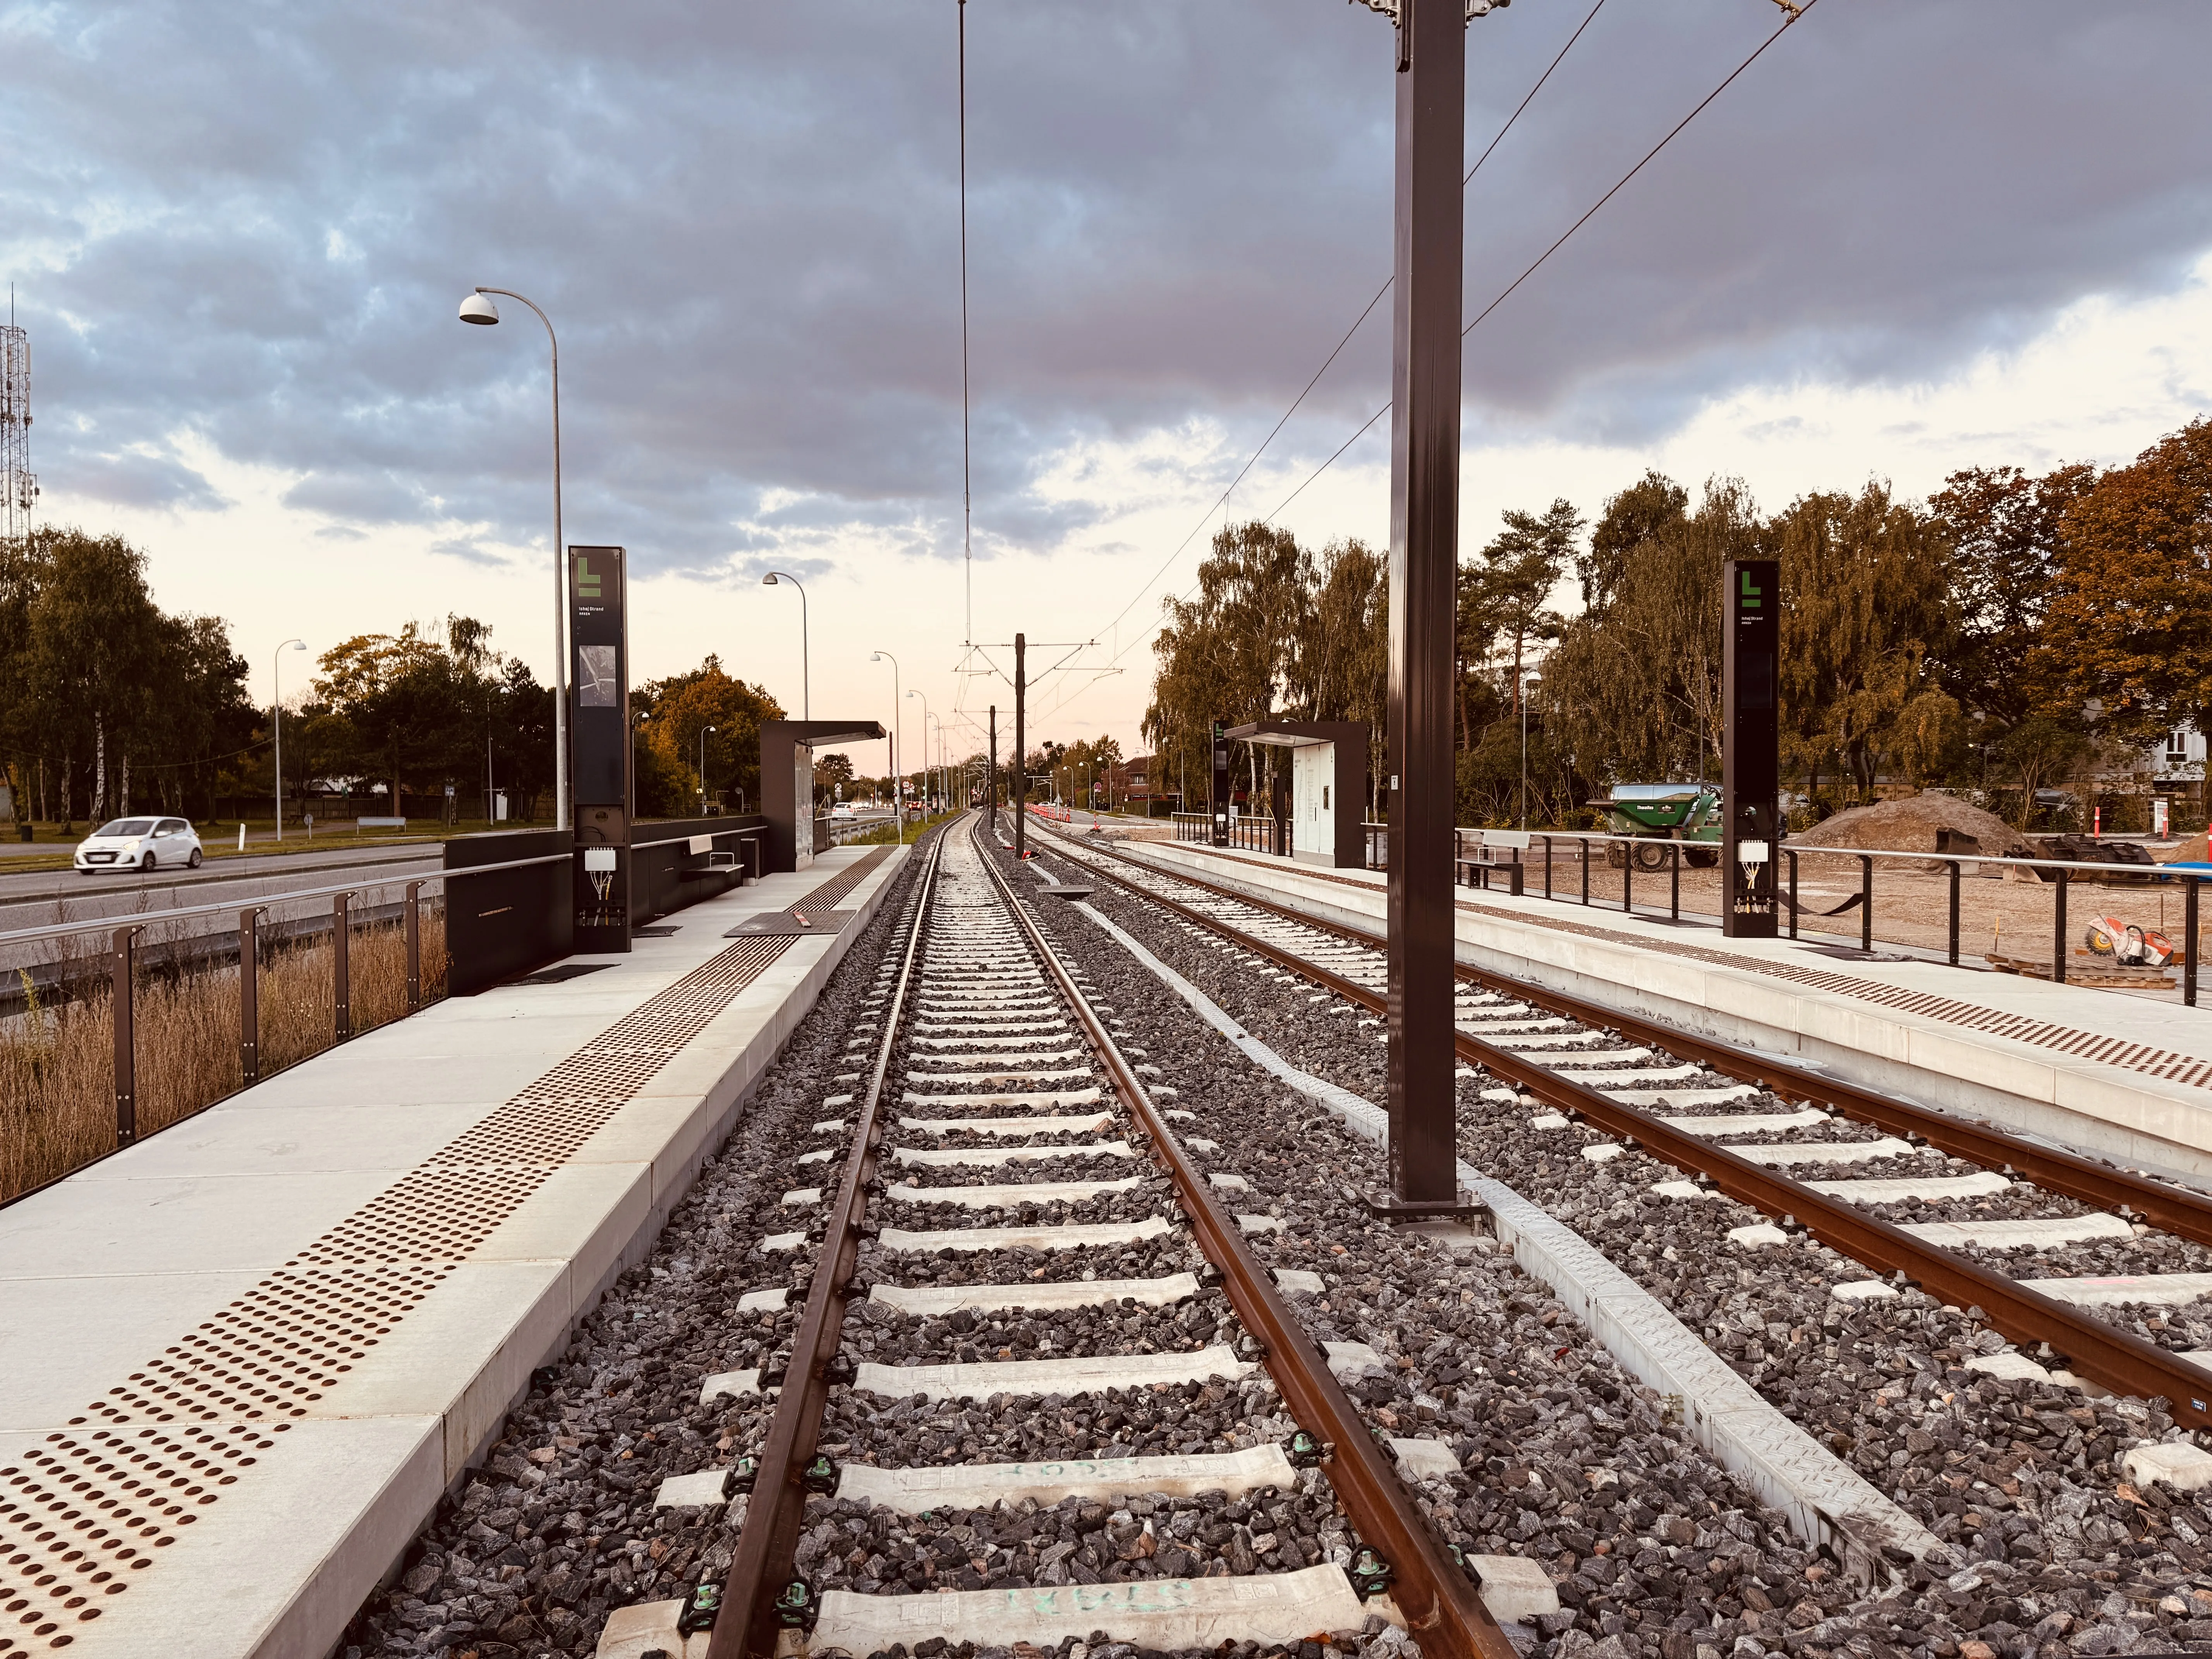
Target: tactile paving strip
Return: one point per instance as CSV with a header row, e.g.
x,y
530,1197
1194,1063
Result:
x,y
89,1507
2190,1069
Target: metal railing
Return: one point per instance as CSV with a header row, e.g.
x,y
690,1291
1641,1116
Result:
x,y
1254,832
123,964
2060,874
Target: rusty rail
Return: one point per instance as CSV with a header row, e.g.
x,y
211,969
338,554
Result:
x,y
1442,1609
2102,1352
761,1566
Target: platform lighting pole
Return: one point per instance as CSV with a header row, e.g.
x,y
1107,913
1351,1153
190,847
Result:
x,y
806,674
703,731
479,308
898,716
1425,450
924,751
276,722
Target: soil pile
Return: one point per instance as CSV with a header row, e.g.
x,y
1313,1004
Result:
x,y
1910,825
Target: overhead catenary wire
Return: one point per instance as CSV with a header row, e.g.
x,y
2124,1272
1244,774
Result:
x,y
967,483
1535,265
1366,312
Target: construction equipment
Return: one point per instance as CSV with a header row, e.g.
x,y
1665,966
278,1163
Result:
x,y
1658,812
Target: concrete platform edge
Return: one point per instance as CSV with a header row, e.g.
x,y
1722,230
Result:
x,y
2140,1121
305,1624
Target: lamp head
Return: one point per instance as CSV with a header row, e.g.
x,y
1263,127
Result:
x,y
299,645
478,308
769,581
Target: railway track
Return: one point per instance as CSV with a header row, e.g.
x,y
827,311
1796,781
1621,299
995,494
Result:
x,y
1680,1098
1630,1130
869,1382
1001,1038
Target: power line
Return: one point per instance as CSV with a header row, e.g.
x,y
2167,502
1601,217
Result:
x,y
1366,312
1672,134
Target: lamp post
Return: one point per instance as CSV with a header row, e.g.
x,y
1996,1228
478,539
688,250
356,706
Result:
x,y
635,720
276,722
479,308
703,731
805,680
925,753
898,786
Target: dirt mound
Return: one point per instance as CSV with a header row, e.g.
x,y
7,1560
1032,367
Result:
x,y
1910,826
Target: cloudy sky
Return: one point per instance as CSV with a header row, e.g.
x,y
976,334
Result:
x,y
1914,236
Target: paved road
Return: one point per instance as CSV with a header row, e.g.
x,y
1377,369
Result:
x,y
48,898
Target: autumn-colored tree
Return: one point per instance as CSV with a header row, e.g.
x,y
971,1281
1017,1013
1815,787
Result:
x,y
2130,622
682,706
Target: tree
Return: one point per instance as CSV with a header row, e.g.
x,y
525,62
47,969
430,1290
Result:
x,y
2130,619
1866,616
2003,526
1652,507
1632,690
1520,567
683,706
403,705
92,658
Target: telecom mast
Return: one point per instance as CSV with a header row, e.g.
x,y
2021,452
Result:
x,y
19,485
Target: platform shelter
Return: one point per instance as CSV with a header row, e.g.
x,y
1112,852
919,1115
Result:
x,y
787,783
1328,788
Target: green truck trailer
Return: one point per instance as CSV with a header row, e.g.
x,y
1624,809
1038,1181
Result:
x,y
1656,813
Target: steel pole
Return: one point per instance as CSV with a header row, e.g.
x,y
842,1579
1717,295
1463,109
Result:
x,y
126,1039
1021,748
249,993
560,583
1424,448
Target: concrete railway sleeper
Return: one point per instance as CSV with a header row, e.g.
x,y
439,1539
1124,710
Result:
x,y
1554,1050
990,1022
2001,1453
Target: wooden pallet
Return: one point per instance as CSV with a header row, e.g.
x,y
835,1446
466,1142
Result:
x,y
2100,972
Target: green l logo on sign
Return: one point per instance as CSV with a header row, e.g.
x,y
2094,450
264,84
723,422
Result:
x,y
587,580
1750,594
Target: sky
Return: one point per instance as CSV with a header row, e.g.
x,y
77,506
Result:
x,y
1911,237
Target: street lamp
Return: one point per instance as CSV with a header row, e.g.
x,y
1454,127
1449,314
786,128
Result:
x,y
703,731
479,308
277,722
898,789
805,680
925,753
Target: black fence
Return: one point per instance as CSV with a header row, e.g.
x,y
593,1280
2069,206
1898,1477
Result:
x,y
678,861
508,921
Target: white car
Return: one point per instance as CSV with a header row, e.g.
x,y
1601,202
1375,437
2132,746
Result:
x,y
843,808
139,844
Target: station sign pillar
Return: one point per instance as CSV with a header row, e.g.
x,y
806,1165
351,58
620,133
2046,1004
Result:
x,y
598,746
1219,800
1751,829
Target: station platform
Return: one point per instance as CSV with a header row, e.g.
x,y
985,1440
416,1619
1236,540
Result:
x,y
240,1361
2122,1075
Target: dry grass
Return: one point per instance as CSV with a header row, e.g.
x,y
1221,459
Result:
x,y
58,1064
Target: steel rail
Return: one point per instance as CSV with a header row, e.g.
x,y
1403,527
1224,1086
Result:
x,y
2102,1352
761,1566
1442,1609
2177,1210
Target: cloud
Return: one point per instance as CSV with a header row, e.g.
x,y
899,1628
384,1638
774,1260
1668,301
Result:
x,y
137,478
742,222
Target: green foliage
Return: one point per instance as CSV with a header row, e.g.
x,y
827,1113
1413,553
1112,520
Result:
x,y
108,699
